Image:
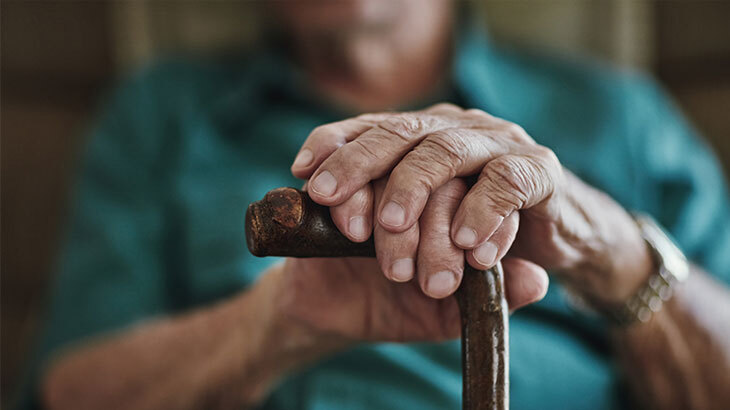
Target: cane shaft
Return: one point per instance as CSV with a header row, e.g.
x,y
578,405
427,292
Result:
x,y
484,339
288,223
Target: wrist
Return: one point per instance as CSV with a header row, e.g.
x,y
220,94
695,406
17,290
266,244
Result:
x,y
289,333
632,264
611,260
666,268
615,263
284,344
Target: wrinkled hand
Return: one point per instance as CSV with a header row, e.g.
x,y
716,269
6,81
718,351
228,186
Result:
x,y
380,172
350,298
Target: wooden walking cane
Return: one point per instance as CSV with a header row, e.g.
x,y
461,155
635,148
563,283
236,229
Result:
x,y
286,222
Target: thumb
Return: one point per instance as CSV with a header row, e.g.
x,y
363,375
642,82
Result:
x,y
525,282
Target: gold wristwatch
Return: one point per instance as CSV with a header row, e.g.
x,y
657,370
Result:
x,y
672,268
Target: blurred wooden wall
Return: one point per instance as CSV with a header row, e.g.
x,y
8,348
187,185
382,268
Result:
x,y
692,59
57,56
55,60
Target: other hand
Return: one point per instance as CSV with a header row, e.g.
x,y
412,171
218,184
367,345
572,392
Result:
x,y
378,172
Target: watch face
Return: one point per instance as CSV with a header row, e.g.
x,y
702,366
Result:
x,y
676,264
672,258
673,268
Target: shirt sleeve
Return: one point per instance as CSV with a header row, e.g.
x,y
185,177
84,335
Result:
x,y
682,182
110,272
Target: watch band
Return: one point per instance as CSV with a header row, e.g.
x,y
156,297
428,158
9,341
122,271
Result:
x,y
672,268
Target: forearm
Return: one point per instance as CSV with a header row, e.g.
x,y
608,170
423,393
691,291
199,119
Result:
x,y
680,359
225,356
602,256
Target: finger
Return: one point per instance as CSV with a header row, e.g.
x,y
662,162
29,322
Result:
x,y
440,263
444,109
439,158
354,217
524,281
507,184
487,254
396,252
372,155
477,113
326,139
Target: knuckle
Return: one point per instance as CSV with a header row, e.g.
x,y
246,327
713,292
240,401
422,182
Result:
x,y
402,125
511,180
362,196
318,134
548,156
451,192
516,131
326,135
477,114
406,126
445,107
363,153
371,118
323,132
416,171
546,164
433,229
457,185
444,149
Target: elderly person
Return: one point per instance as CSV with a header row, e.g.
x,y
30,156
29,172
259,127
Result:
x,y
158,304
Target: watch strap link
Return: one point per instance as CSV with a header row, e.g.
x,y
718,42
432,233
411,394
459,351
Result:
x,y
672,269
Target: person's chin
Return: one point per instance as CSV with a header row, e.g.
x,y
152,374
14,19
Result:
x,y
351,15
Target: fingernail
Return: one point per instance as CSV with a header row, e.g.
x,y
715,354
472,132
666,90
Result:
x,y
402,270
357,227
466,237
486,253
303,159
325,184
393,214
440,284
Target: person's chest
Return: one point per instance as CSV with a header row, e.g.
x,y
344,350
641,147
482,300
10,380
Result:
x,y
221,170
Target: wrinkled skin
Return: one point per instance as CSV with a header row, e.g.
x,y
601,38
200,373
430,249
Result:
x,y
381,173
351,298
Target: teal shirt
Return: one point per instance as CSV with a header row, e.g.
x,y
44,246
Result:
x,y
183,147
